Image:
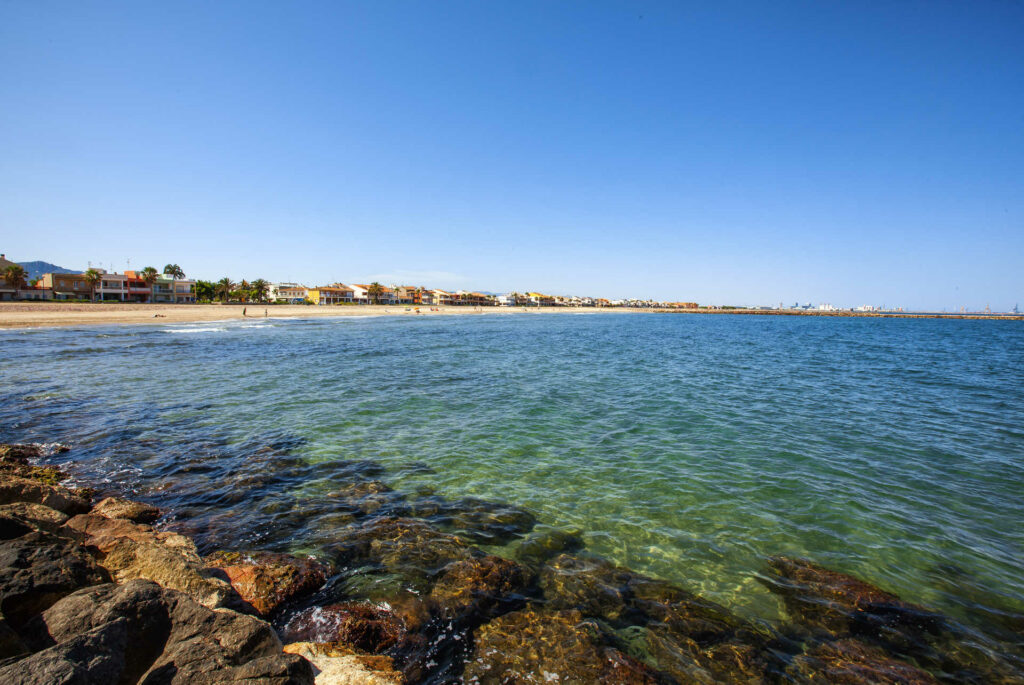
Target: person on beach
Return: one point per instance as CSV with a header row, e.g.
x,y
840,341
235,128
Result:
x,y
243,311
264,313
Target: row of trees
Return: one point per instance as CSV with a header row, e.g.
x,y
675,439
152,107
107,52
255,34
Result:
x,y
227,290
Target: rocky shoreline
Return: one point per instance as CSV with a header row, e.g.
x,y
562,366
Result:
x,y
104,592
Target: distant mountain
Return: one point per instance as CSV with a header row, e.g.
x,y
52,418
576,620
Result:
x,y
37,269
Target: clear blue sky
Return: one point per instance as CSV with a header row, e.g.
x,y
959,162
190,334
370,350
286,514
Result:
x,y
753,153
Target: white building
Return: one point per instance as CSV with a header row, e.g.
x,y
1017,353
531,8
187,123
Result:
x,y
291,293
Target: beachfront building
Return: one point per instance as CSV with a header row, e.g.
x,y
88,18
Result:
x,y
409,294
339,293
288,293
441,297
6,291
540,299
170,290
362,295
66,286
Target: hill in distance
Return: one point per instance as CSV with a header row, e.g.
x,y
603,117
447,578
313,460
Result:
x,y
37,268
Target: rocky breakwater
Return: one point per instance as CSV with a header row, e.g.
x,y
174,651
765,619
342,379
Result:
x,y
403,590
93,594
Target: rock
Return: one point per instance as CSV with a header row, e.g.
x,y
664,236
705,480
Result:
x,y
267,580
95,657
685,661
19,454
622,597
362,626
335,665
11,644
840,604
36,513
16,489
479,585
540,546
849,662
130,550
485,522
532,646
37,569
173,639
117,508
408,547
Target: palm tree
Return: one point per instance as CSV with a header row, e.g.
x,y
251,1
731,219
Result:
x,y
224,288
244,290
375,291
515,298
259,289
174,271
14,276
92,277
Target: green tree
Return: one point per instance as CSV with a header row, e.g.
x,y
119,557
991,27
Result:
x,y
224,288
14,276
205,291
375,291
174,271
259,289
92,277
244,290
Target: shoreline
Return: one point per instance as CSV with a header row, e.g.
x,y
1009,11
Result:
x,y
54,315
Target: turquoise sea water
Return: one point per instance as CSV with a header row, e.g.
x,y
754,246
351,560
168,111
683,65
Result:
x,y
686,447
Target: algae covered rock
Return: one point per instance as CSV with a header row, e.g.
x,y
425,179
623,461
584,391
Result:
x,y
131,550
400,545
267,580
841,604
850,662
118,508
541,545
336,665
541,646
479,585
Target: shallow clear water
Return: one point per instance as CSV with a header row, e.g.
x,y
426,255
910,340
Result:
x,y
686,447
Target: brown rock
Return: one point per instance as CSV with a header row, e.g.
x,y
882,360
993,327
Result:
x,y
533,646
130,550
117,508
267,580
478,585
96,656
172,639
842,604
849,662
19,454
358,625
34,512
37,569
16,489
336,665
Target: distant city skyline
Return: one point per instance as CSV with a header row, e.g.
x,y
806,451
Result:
x,y
726,153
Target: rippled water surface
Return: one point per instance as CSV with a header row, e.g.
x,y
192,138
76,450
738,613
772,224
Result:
x,y
685,447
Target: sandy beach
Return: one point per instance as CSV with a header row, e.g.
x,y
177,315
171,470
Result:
x,y
34,314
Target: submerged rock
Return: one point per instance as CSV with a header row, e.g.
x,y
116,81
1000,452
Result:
x,y
335,665
623,597
37,569
481,521
479,586
685,661
118,508
19,454
268,580
837,602
170,638
131,550
539,546
532,646
409,547
850,662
